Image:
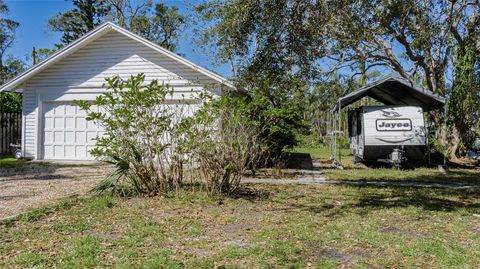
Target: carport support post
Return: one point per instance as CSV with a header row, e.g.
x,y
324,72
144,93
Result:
x,y
331,121
445,111
339,130
334,140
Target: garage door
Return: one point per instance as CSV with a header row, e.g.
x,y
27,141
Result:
x,y
67,135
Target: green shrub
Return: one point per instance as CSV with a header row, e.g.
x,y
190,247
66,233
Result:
x,y
10,102
276,102
139,137
156,147
221,142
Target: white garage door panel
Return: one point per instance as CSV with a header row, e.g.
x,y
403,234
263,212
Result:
x,y
67,134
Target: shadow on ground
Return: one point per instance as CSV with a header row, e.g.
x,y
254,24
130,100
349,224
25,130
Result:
x,y
452,177
41,171
427,199
296,160
365,199
28,171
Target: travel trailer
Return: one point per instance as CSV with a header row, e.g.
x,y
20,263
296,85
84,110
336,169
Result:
x,y
395,132
392,134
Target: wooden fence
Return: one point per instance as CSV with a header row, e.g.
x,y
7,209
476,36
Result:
x,y
10,131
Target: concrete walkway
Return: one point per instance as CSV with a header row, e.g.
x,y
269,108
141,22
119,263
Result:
x,y
305,177
312,174
316,177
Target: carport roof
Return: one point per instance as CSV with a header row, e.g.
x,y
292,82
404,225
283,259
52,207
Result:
x,y
394,90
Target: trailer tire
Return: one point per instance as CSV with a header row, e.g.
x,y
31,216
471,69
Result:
x,y
356,160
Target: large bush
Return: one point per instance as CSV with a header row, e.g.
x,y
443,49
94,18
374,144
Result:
x,y
222,142
277,104
158,146
140,135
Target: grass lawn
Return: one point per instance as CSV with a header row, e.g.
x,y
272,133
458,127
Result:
x,y
268,226
287,226
10,161
318,153
363,173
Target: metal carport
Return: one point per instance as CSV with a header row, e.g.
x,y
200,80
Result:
x,y
392,90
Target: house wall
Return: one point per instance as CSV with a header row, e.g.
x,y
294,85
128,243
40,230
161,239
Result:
x,y
30,123
82,75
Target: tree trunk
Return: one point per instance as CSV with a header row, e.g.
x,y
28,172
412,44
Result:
x,y
453,145
453,139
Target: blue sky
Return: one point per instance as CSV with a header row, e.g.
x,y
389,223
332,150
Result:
x,y
33,31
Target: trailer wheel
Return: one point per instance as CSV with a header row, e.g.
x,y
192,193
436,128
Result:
x,y
397,165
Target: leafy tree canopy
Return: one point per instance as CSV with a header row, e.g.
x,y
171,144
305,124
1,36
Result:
x,y
413,38
74,23
10,101
315,40
158,23
7,36
253,36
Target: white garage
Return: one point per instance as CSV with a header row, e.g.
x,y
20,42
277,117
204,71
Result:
x,y
55,129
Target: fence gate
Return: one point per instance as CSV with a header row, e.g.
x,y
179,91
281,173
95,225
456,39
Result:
x,y
10,131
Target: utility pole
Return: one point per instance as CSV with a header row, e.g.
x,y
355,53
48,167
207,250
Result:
x,y
34,56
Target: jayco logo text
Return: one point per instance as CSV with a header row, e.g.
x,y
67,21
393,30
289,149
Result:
x,y
394,125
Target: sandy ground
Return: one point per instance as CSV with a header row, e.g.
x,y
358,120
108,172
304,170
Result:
x,y
38,184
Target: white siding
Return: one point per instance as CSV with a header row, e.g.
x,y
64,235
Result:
x,y
82,75
30,111
116,54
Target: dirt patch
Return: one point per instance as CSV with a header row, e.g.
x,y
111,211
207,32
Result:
x,y
215,227
135,201
162,216
398,231
38,184
268,173
237,243
342,258
476,229
237,228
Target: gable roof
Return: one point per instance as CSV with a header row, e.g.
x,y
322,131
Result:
x,y
393,89
94,35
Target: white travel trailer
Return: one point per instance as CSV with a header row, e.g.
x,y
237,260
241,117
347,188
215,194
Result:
x,y
393,133
375,131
